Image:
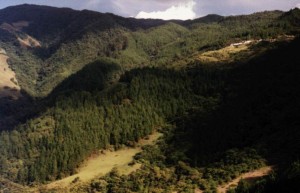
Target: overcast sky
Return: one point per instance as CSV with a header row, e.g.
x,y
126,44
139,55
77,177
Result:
x,y
166,9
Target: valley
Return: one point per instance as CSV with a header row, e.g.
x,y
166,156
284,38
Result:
x,y
94,102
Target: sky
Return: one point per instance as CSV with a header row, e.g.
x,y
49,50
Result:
x,y
166,9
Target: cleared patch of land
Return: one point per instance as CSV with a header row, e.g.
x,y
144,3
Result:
x,y
26,40
8,83
29,42
19,25
239,51
249,176
103,163
225,54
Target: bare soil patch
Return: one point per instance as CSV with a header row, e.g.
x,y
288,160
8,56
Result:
x,y
249,176
8,82
29,42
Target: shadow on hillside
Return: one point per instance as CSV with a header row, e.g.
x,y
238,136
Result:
x,y
94,76
259,109
14,111
56,26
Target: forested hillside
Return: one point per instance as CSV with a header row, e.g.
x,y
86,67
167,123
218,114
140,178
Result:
x,y
250,119
92,81
68,40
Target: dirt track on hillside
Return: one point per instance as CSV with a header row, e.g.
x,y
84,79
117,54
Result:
x,y
247,176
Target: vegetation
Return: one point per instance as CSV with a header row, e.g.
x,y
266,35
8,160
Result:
x,y
201,152
132,43
82,121
116,80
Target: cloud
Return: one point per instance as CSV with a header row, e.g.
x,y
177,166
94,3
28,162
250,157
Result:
x,y
133,7
179,9
182,11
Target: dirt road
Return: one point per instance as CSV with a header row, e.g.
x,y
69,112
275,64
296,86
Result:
x,y
247,176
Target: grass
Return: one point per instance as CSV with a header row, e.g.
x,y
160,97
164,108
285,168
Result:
x,y
222,55
104,162
8,81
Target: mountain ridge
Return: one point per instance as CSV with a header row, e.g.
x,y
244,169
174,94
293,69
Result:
x,y
57,35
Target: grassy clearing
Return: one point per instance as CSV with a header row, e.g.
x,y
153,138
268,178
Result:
x,y
8,81
103,163
225,54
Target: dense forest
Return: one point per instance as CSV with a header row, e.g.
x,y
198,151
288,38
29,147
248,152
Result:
x,y
237,130
117,80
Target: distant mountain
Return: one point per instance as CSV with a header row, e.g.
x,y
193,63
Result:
x,y
47,44
50,31
206,19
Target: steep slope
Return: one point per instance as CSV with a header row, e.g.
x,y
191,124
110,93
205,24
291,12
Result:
x,y
65,128
103,92
8,83
65,40
45,45
54,43
253,122
250,119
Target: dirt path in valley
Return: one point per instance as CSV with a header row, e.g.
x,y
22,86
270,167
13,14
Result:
x,y
247,176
